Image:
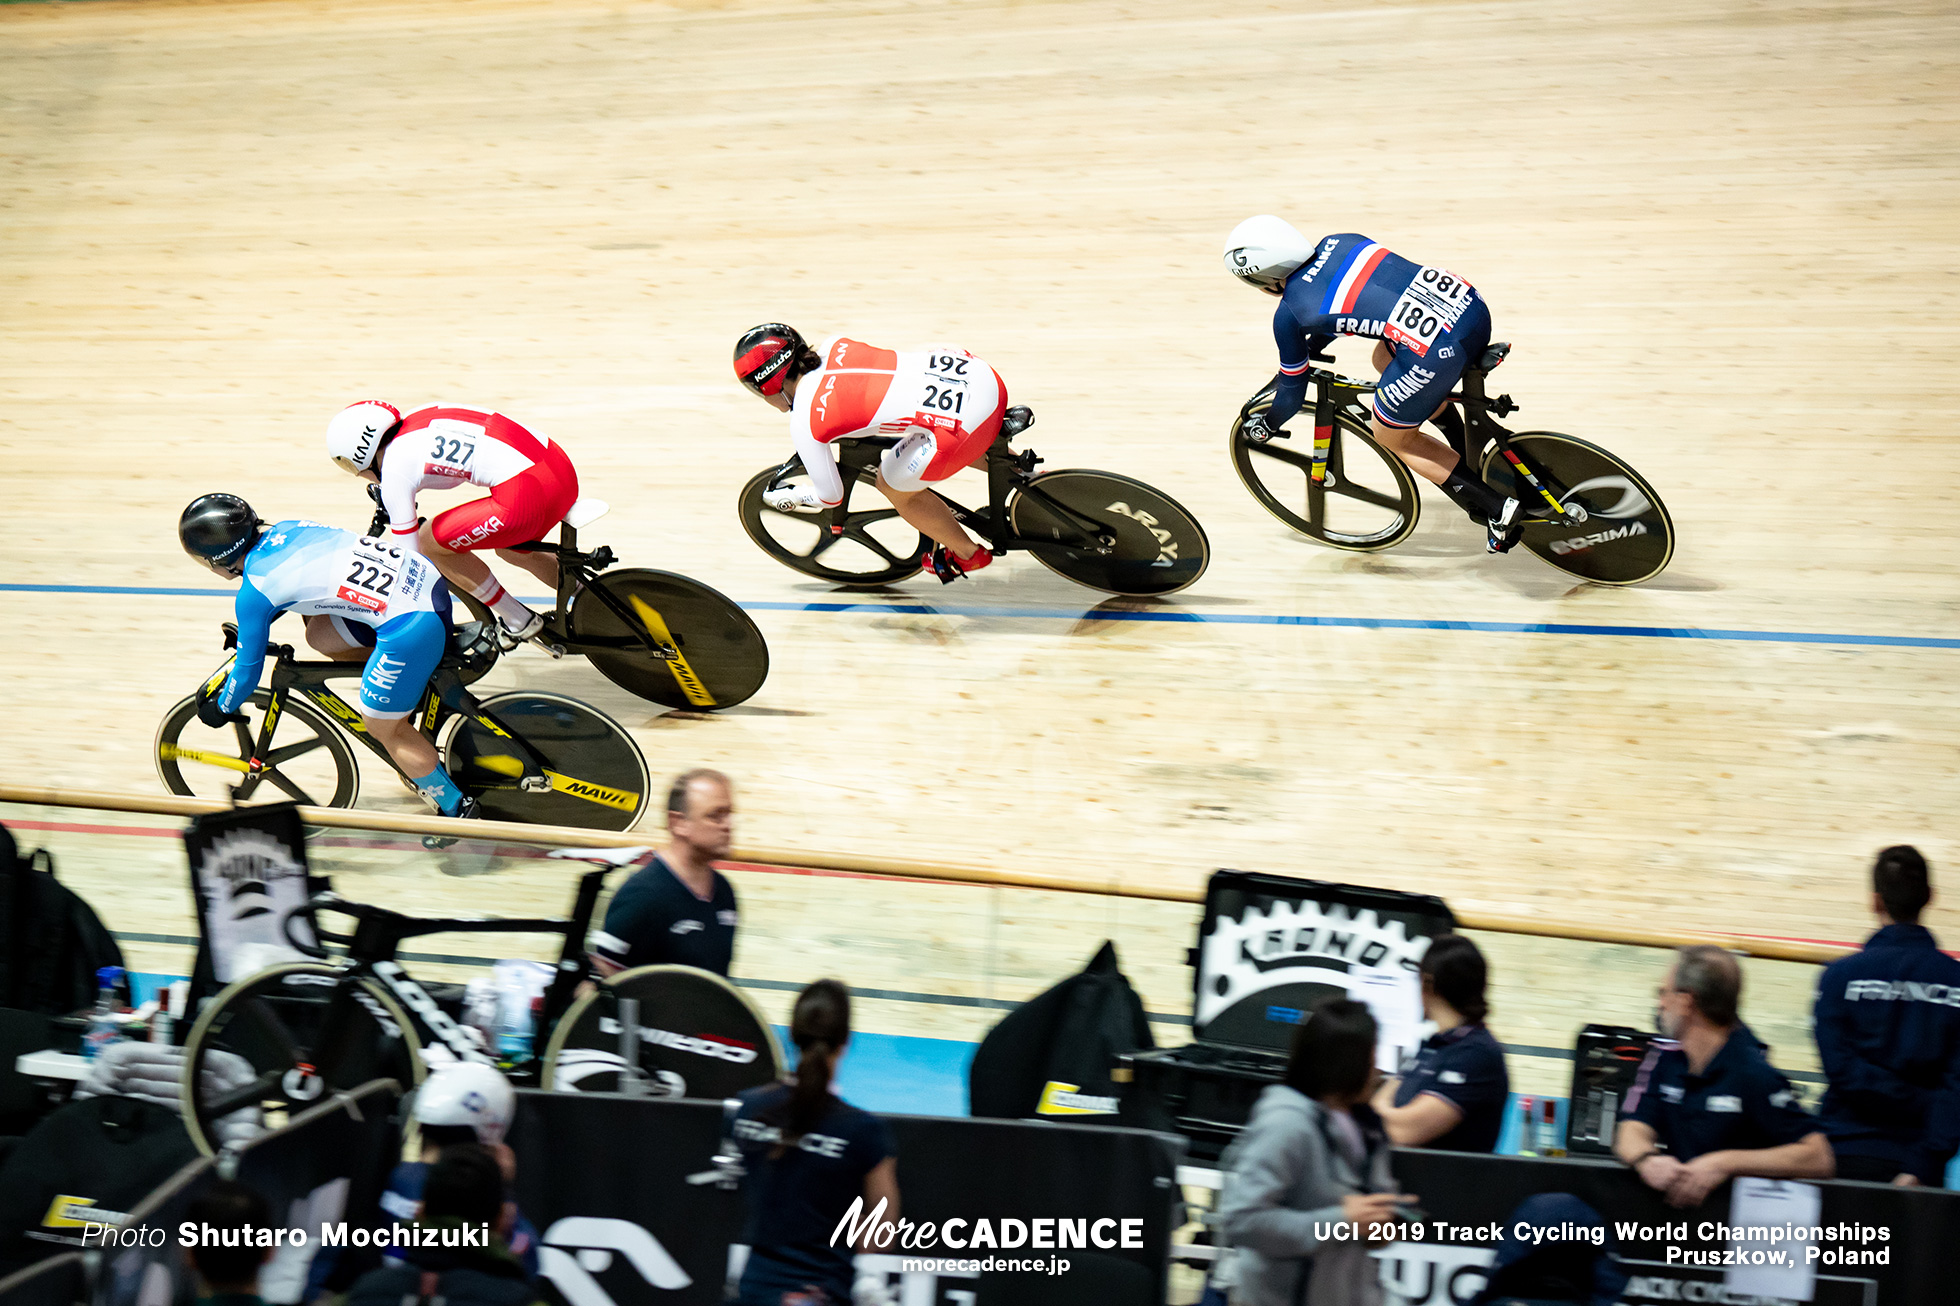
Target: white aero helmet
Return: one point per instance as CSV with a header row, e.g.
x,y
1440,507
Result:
x,y
354,435
1264,251
467,1093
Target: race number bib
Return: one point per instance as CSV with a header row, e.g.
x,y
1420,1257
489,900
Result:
x,y
450,455
946,381
1429,307
373,569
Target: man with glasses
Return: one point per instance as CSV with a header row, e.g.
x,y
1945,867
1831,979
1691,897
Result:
x,y
1707,1106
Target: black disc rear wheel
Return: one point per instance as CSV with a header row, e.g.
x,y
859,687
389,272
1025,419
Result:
x,y
876,547
1627,536
1367,500
1109,532
720,658
700,1036
598,776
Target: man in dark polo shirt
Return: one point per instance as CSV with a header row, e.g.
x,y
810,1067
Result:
x,y
1888,1033
1453,1097
678,910
1707,1106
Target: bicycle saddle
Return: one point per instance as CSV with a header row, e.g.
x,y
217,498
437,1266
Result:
x,y
1017,419
1492,357
584,512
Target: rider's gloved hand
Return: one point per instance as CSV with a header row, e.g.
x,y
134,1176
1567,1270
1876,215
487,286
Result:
x,y
1257,429
211,714
793,498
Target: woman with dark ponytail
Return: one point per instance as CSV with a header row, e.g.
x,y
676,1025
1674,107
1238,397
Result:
x,y
1453,1097
811,1157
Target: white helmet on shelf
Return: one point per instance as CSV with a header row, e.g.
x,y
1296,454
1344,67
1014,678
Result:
x,y
1265,251
467,1093
355,434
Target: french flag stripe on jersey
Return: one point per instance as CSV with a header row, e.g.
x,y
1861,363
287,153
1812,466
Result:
x,y
1360,266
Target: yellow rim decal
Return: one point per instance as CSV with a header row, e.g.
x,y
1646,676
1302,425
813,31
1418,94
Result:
x,y
505,764
592,793
697,693
171,753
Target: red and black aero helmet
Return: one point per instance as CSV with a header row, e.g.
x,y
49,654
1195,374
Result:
x,y
770,354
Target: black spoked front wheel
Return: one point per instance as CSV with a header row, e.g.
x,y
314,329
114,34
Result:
x,y
310,760
1109,532
1627,536
876,547
720,658
1367,501
597,773
275,1043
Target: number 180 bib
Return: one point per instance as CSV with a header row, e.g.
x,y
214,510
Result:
x,y
1430,306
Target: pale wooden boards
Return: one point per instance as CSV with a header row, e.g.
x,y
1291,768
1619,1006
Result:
x,y
1716,236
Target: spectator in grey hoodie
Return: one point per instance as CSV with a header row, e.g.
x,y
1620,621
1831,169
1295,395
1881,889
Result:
x,y
1312,1158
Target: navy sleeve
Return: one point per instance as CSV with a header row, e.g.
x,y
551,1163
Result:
x,y
870,1144
1774,1109
1296,348
1867,1086
1941,1138
1484,1078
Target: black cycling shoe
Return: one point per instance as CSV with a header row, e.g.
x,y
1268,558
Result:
x,y
435,843
1502,532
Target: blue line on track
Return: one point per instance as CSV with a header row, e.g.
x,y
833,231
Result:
x,y
1208,618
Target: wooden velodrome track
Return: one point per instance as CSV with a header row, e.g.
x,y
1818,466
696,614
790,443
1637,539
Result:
x,y
1720,236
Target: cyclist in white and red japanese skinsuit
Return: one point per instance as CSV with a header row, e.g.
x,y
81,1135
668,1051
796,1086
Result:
x,y
944,405
532,486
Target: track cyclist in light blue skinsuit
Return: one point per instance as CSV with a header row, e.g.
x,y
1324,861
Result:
x,y
360,598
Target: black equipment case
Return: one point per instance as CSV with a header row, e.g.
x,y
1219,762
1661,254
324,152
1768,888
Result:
x,y
1269,947
1604,1062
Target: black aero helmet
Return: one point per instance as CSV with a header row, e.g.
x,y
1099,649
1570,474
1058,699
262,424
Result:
x,y
219,530
768,355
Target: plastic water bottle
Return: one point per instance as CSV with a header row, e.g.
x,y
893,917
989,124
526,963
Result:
x,y
514,1031
1549,1143
103,1028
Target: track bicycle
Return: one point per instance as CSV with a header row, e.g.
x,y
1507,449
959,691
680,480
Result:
x,y
311,1028
525,756
1098,529
662,636
1585,511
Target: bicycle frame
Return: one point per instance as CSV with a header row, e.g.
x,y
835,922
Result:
x,y
372,951
1007,473
575,570
444,697
1332,392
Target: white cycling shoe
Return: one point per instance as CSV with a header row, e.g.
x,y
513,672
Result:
x,y
511,636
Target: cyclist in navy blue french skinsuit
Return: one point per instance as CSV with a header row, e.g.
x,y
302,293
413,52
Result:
x,y
1428,324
